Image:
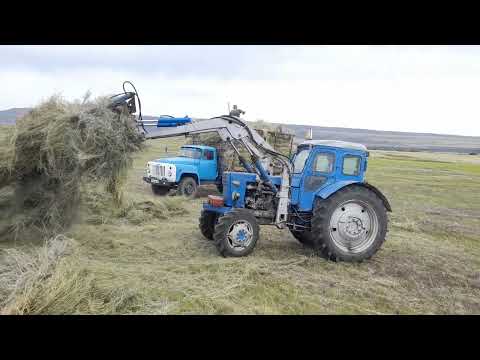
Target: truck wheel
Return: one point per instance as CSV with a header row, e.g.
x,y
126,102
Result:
x,y
350,225
160,190
207,222
188,187
304,237
236,233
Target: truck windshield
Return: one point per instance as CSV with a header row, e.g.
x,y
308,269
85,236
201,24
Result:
x,y
190,153
299,161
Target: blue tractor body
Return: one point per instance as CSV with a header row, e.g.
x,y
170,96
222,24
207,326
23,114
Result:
x,y
320,169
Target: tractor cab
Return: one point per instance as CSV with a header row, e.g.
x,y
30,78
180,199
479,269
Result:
x,y
321,167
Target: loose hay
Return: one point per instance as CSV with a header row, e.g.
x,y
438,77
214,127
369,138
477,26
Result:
x,y
21,272
54,149
139,212
48,280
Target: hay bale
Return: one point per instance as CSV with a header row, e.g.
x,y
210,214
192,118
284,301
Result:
x,y
58,146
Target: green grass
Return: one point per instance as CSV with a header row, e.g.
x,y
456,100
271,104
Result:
x,y
149,256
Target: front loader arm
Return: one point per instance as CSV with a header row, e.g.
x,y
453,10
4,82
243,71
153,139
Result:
x,y
227,127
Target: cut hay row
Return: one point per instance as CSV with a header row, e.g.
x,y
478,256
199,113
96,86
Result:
x,y
99,209
43,280
48,281
22,273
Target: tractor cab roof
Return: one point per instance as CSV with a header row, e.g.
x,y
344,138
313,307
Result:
x,y
335,143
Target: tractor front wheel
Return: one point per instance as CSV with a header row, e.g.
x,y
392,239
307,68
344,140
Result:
x,y
350,225
236,233
207,222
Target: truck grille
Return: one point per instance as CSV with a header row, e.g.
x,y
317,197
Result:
x,y
158,171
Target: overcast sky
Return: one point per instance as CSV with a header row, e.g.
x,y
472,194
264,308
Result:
x,y
405,88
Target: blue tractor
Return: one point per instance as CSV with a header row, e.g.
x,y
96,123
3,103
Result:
x,y
320,194
332,209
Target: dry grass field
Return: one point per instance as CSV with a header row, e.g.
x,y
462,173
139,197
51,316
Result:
x,y
148,256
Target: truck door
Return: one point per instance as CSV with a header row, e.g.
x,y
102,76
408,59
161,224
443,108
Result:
x,y
208,165
319,171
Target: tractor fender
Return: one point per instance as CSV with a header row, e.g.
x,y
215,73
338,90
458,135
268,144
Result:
x,y
379,194
333,188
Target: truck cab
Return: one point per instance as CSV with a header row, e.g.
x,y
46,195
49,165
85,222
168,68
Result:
x,y
194,166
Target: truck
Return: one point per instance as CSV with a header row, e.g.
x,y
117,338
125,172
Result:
x,y
321,195
194,166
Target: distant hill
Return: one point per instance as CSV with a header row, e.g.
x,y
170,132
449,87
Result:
x,y
8,117
392,140
373,139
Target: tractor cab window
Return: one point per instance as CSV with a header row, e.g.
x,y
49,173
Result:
x,y
191,153
207,154
351,165
324,162
299,161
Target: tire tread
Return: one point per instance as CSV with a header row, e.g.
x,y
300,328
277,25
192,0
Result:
x,y
221,228
319,224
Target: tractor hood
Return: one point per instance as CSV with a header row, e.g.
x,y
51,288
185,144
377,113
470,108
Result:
x,y
178,160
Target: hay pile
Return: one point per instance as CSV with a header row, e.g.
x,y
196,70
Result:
x,y
225,152
56,148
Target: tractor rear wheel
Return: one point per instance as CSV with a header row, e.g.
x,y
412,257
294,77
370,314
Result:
x,y
236,233
160,190
188,187
207,222
350,225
